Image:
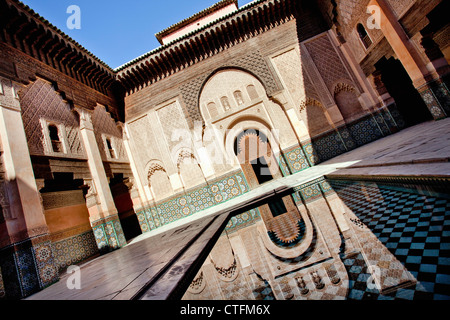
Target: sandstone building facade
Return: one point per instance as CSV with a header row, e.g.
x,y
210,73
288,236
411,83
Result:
x,y
233,98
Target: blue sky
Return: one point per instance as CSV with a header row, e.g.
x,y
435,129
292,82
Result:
x,y
119,31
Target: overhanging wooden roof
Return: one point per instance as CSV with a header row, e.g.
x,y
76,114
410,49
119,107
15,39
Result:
x,y
27,31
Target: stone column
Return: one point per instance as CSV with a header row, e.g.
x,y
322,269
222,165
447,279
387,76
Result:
x,y
103,214
404,49
26,257
144,200
440,68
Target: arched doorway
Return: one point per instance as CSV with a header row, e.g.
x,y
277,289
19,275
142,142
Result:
x,y
256,157
284,224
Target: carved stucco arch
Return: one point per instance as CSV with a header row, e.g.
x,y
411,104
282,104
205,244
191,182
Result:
x,y
345,85
247,122
253,63
152,167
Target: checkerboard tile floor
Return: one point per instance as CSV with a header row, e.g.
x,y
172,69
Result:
x,y
415,228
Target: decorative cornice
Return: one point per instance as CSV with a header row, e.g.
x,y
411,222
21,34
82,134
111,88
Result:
x,y
27,31
249,21
215,7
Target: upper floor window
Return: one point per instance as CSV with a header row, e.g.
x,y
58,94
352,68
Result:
x,y
112,152
364,36
212,110
55,139
252,93
225,103
239,98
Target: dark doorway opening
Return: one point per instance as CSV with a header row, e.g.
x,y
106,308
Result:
x,y
277,207
262,171
400,87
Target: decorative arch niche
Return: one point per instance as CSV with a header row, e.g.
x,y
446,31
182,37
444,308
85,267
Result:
x,y
346,97
158,180
189,169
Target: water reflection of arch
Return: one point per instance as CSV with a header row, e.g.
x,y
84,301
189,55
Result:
x,y
285,227
302,250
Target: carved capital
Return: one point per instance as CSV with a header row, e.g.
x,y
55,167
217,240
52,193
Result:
x,y
85,118
90,192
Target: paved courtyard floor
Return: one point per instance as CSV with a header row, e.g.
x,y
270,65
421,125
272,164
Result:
x,y
157,265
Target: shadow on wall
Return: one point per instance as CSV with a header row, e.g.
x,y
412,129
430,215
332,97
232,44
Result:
x,y
122,200
332,109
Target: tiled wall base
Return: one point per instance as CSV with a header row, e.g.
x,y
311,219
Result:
x,y
243,220
437,98
296,160
182,206
75,249
27,267
348,137
108,234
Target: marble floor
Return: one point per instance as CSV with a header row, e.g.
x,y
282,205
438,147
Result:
x,y
159,264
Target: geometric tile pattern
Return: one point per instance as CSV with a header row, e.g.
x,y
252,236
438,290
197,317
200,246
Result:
x,y
243,220
108,234
436,97
74,250
414,227
365,131
312,190
296,160
261,288
311,153
205,197
27,268
329,146
48,273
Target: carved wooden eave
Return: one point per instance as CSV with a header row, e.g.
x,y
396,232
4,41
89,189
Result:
x,y
247,22
25,30
177,26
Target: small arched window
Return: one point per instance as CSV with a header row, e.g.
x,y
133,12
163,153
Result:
x,y
364,36
212,109
112,152
238,97
252,93
54,138
225,103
